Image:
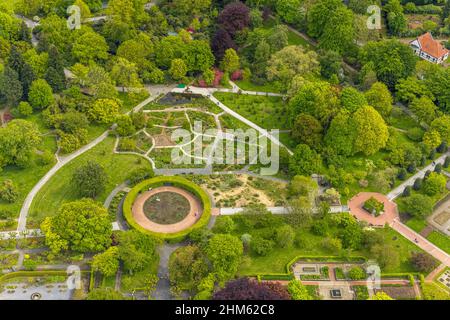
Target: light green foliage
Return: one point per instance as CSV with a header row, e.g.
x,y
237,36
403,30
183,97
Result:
x,y
318,99
304,161
90,46
352,99
25,109
290,61
435,184
298,291
8,191
41,94
225,253
379,97
424,109
103,110
178,69
81,226
371,131
125,74
107,262
230,62
18,141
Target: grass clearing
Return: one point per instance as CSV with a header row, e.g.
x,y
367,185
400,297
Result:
x,y
266,112
60,190
441,240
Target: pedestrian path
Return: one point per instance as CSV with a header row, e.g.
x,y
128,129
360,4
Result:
x,y
420,174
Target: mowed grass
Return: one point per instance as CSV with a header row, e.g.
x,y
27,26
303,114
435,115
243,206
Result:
x,y
266,112
278,258
441,240
417,224
59,189
25,178
247,85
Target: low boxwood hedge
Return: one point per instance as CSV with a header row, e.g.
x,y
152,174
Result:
x,y
176,182
35,273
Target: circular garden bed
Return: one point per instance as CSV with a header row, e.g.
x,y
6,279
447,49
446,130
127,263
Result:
x,y
167,207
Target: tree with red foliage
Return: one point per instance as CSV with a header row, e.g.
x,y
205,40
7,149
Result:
x,y
423,262
221,42
246,289
234,17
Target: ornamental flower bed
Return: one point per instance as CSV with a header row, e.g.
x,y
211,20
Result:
x,y
373,206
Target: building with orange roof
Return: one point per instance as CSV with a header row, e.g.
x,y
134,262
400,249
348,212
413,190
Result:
x,y
429,49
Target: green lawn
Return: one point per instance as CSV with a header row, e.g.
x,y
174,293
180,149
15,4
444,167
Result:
x,y
59,189
25,178
278,258
247,85
267,112
293,38
417,224
441,240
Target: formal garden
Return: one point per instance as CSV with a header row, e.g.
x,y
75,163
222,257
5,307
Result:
x,y
357,109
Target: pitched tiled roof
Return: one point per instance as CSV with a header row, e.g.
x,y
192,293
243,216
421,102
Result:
x,y
432,47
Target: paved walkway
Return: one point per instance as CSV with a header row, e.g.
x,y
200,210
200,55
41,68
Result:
x,y
162,291
356,204
193,216
62,161
420,174
208,93
421,242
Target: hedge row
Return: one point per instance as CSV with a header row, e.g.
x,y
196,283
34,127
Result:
x,y
324,259
177,182
36,273
289,274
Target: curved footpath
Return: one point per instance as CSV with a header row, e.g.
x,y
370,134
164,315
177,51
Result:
x,y
22,221
195,211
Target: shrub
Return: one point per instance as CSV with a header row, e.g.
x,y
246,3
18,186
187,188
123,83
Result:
x,y
374,206
435,184
261,246
415,134
8,191
417,184
285,236
224,225
442,147
446,162
438,168
140,174
411,168
357,273
423,262
419,205
407,191
25,109
401,174
127,144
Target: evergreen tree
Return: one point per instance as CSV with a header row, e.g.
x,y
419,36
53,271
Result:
x,y
55,73
23,69
24,33
10,86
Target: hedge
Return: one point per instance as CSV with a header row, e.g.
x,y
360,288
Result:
x,y
324,259
289,274
177,182
36,273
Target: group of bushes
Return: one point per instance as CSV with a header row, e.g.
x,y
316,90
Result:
x,y
421,202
